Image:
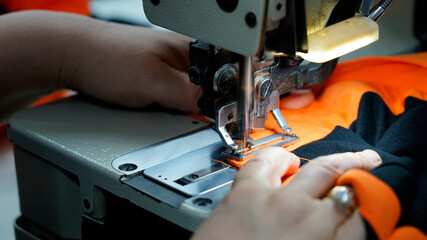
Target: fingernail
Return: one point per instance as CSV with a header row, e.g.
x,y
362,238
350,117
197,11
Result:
x,y
372,156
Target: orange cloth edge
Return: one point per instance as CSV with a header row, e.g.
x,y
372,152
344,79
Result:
x,y
407,232
419,59
52,97
378,203
72,6
252,152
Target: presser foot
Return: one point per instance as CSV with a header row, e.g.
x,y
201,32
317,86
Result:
x,y
274,140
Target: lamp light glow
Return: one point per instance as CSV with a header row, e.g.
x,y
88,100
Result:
x,y
341,38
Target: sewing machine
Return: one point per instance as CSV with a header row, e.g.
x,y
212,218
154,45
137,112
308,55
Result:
x,y
90,170
250,54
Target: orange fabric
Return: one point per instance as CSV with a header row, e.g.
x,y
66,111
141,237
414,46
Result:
x,y
378,204
292,169
407,232
199,117
73,6
337,102
53,97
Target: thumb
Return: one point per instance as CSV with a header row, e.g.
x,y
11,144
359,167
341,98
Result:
x,y
267,167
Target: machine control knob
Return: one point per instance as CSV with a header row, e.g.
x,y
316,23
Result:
x,y
225,78
195,75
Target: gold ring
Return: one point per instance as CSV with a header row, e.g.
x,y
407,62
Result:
x,y
344,198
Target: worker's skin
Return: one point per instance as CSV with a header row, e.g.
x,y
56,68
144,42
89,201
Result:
x,y
259,207
132,66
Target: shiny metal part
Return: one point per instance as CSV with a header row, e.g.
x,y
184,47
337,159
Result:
x,y
344,198
208,201
265,99
194,173
251,112
285,74
307,75
286,139
225,115
265,88
378,10
377,14
224,78
278,116
163,151
245,104
263,107
266,96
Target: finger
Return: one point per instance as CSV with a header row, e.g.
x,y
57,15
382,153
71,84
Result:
x,y
298,99
326,219
352,229
267,167
319,176
176,91
176,51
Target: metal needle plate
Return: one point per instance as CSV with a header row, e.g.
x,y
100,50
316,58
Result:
x,y
194,173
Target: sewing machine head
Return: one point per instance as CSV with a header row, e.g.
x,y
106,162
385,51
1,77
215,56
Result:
x,y
250,53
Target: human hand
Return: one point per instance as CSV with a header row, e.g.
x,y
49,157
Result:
x,y
259,207
132,66
135,66
298,98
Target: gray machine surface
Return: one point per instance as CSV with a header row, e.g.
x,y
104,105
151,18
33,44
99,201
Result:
x,y
198,18
73,155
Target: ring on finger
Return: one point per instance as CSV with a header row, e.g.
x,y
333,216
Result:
x,y
344,198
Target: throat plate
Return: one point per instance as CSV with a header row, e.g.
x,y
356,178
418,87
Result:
x,y
196,172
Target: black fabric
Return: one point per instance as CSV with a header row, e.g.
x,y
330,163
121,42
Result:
x,y
401,141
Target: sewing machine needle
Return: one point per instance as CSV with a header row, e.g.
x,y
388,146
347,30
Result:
x,y
245,99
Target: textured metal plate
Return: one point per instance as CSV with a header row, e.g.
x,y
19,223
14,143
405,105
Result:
x,y
194,173
163,151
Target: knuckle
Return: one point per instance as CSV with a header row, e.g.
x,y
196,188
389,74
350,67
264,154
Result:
x,y
330,166
343,161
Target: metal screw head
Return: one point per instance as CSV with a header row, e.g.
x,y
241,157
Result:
x,y
266,88
128,167
225,78
195,75
202,202
193,176
230,116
